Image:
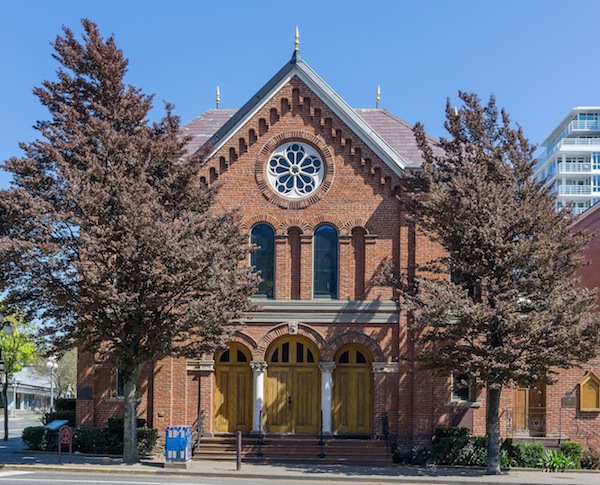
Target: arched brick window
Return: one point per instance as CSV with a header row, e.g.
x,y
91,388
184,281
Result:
x,y
263,259
326,262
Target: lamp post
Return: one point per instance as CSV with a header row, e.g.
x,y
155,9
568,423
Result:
x,y
52,365
16,382
7,329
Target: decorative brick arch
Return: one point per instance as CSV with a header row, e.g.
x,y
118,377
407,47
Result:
x,y
263,157
247,340
332,220
247,224
352,337
304,226
260,352
361,222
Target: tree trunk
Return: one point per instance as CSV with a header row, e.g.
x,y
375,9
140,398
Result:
x,y
493,431
5,401
130,449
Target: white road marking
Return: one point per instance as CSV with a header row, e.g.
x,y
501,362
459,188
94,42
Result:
x,y
123,482
13,473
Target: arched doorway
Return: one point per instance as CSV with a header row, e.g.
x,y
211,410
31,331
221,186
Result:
x,y
292,387
352,391
233,389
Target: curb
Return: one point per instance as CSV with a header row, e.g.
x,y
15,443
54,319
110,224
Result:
x,y
234,474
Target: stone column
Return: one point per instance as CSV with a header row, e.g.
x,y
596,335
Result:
x,y
258,370
326,369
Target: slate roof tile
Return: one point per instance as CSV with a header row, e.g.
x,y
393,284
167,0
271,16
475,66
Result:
x,y
397,133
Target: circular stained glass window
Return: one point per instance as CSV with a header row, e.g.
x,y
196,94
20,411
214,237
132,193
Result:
x,y
295,170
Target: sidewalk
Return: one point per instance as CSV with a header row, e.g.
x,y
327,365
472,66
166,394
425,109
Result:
x,y
14,457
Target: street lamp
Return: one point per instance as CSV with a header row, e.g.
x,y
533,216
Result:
x,y
16,382
7,328
52,365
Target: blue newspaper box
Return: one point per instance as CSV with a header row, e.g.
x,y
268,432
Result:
x,y
178,445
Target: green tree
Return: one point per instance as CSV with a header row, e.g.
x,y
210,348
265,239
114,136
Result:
x,y
18,351
511,313
65,375
107,234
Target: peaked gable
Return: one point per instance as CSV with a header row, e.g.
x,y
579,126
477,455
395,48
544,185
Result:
x,y
296,67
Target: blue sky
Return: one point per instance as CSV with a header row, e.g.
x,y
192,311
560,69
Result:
x,y
540,58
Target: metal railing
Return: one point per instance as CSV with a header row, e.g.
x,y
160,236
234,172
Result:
x,y
385,426
261,435
575,167
532,421
200,427
321,442
575,189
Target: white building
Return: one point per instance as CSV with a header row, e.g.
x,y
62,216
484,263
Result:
x,y
27,393
570,161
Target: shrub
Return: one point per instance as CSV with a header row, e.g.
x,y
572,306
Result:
x,y
423,456
590,462
474,453
68,415
403,455
35,438
572,450
528,455
65,404
448,444
553,461
506,460
147,438
115,434
115,425
91,440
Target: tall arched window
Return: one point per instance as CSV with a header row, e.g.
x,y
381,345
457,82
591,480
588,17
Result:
x,y
263,259
326,262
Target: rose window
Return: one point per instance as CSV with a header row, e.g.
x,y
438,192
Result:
x,y
295,170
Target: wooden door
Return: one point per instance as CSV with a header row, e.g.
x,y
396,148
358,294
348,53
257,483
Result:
x,y
352,391
233,390
520,409
292,388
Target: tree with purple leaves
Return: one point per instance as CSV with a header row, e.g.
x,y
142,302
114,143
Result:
x,y
107,235
511,312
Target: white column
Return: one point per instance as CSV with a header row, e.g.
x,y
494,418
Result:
x,y
258,372
326,369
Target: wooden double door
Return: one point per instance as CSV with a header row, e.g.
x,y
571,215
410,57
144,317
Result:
x,y
292,393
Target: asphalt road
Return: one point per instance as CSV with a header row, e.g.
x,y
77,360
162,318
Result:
x,y
17,425
42,478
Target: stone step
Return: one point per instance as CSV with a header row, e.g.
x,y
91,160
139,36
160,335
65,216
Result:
x,y
295,449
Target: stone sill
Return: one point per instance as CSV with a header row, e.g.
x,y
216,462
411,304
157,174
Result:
x,y
461,404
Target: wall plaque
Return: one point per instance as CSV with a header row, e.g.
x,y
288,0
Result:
x,y
569,402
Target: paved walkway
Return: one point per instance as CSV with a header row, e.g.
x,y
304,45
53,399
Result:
x,y
13,456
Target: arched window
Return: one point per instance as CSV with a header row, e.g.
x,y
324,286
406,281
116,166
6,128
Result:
x,y
263,259
326,262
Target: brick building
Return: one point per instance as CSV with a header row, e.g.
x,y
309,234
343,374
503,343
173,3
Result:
x,y
318,185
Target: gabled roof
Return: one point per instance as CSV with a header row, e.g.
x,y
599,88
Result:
x,y
297,67
397,133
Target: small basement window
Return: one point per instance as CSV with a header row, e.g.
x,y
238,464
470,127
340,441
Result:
x,y
589,393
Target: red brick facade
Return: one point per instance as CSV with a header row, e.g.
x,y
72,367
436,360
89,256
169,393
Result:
x,y
360,197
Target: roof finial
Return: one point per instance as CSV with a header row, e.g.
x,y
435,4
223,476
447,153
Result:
x,y
218,97
378,97
297,40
